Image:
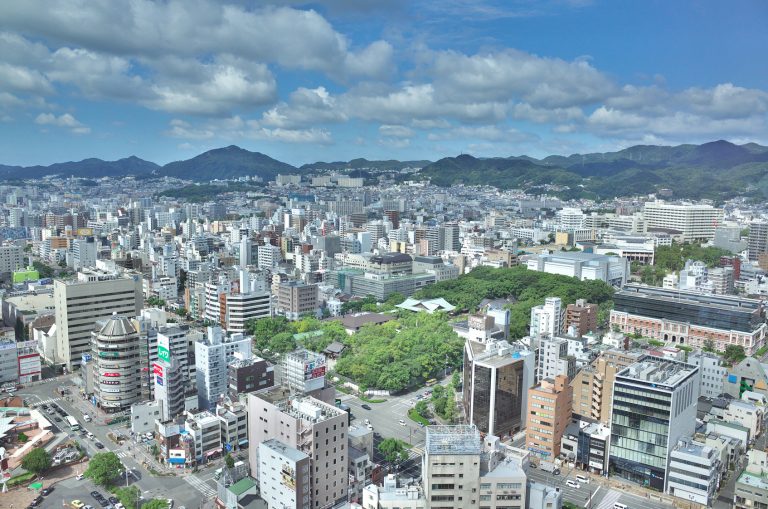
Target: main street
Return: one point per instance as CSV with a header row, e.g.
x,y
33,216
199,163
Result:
x,y
186,489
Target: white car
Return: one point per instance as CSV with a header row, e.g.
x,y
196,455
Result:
x,y
572,484
582,479
369,426
402,422
79,477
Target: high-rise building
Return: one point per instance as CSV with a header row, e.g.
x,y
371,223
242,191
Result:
x,y
581,316
295,299
593,384
757,243
654,405
212,355
315,428
246,252
693,221
552,358
83,253
448,237
304,371
496,381
547,319
548,414
173,372
94,295
116,370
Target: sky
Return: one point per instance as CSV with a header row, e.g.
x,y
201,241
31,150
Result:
x,y
335,80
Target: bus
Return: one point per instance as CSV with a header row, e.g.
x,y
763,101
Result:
x,y
431,382
73,425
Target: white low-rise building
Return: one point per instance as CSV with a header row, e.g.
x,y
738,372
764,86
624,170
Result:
x,y
711,371
694,472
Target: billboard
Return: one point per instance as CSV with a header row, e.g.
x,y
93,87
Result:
x,y
159,380
110,374
157,369
288,477
314,369
163,349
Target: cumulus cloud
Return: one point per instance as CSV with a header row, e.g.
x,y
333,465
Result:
x,y
66,121
305,107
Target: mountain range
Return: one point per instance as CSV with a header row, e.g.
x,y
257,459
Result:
x,y
712,170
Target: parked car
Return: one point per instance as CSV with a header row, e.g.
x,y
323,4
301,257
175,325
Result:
x,y
113,500
99,445
401,422
79,477
365,407
582,479
572,484
46,491
76,504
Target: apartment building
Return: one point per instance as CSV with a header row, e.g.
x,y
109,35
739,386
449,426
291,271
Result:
x,y
11,258
548,415
212,355
547,319
80,303
296,299
593,385
694,472
711,373
284,475
654,405
552,358
581,317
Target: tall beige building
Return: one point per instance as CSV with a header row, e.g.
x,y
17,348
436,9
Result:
x,y
80,303
549,412
311,426
693,221
593,385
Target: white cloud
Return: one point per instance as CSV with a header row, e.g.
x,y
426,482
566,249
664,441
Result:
x,y
182,129
66,121
305,107
395,131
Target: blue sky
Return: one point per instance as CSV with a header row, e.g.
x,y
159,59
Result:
x,y
339,79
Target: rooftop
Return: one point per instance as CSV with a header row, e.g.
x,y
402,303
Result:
x,y
658,371
753,481
729,302
459,439
284,450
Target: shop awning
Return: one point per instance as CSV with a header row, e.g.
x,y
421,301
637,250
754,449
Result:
x,y
243,442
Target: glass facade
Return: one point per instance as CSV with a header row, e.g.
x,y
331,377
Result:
x,y
509,399
640,434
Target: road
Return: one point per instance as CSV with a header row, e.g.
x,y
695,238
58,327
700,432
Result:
x,y
186,489
594,495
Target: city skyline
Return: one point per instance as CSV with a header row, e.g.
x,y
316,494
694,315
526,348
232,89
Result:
x,y
336,80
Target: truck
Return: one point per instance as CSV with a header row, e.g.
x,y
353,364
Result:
x,y
73,425
548,466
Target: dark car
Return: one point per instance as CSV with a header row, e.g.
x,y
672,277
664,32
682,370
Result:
x,y
46,491
57,419
113,500
366,407
36,502
96,495
99,445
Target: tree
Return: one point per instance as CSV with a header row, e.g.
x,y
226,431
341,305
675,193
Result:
x,y
128,496
103,467
709,345
422,408
393,450
23,438
734,354
455,379
155,503
229,461
37,461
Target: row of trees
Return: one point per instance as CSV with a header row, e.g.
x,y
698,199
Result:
x,y
528,288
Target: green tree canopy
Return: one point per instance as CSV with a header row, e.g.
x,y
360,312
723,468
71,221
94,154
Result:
x,y
393,450
155,503
229,461
103,468
37,461
128,496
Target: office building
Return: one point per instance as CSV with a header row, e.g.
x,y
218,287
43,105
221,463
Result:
x,y
304,371
654,405
394,495
691,221
212,355
116,370
233,420
296,299
552,358
548,415
460,471
83,253
694,472
711,373
203,433
690,318
240,308
94,295
593,385
9,367
581,317
249,375
284,475
613,270
448,237
497,376
173,372
757,243
315,428
547,319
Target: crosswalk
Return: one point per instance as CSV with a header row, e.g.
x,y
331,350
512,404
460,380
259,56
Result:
x,y
123,454
200,485
609,499
49,401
